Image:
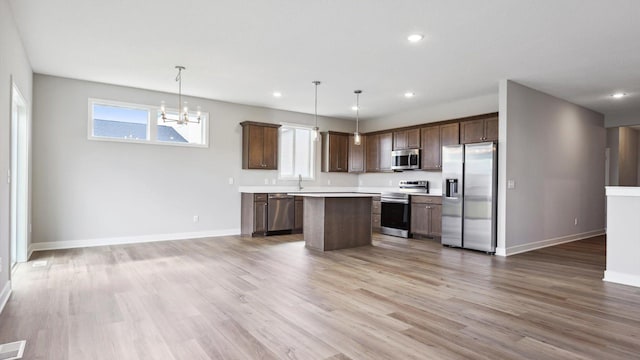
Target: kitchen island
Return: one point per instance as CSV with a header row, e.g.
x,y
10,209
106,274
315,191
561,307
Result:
x,y
335,221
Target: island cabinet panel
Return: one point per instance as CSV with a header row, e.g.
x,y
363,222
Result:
x,y
298,214
335,152
357,155
426,216
406,139
433,139
253,215
259,145
474,131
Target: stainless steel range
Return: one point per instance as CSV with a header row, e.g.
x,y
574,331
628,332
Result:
x,y
396,211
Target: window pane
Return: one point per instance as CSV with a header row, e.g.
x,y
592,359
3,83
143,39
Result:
x,y
302,151
171,131
286,153
296,152
120,122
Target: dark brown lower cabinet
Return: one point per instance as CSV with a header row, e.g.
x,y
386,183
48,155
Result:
x,y
253,216
375,214
426,216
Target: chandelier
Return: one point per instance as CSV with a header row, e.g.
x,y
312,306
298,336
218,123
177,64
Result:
x,y
183,116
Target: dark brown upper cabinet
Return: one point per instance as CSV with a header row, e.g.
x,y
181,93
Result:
x,y
259,145
406,139
433,139
378,152
335,152
480,130
356,155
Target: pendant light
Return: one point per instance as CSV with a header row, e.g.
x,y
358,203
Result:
x,y
356,135
183,111
316,129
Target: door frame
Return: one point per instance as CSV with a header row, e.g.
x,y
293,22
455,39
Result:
x,y
22,244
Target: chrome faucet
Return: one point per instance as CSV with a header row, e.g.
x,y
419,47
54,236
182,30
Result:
x,y
300,182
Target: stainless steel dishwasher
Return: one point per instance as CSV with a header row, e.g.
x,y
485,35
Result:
x,y
281,212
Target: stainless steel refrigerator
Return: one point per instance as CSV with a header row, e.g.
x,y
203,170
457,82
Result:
x,y
469,206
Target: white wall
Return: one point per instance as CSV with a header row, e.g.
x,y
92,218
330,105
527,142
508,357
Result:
x,y
623,239
555,153
14,65
86,190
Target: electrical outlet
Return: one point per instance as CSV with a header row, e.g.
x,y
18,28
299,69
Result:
x,y
511,184
360,182
266,181
575,221
329,182
390,182
196,218
230,181
273,181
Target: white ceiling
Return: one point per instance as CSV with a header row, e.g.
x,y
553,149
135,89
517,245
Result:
x,y
242,51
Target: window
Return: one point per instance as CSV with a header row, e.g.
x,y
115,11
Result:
x,y
297,152
118,121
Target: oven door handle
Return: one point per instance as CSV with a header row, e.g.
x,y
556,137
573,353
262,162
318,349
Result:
x,y
397,201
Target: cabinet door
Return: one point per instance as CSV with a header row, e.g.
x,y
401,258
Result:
x,y
420,219
399,140
491,129
472,131
413,139
356,154
260,217
298,214
431,148
450,134
338,152
270,148
255,146
435,220
386,144
372,153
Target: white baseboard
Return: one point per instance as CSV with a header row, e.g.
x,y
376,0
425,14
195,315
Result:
x,y
621,278
30,251
4,295
501,251
70,244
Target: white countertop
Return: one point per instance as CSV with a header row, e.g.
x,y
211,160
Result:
x,y
334,195
327,189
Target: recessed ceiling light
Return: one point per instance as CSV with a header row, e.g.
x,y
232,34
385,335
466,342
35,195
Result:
x,y
415,37
277,94
618,95
354,108
409,94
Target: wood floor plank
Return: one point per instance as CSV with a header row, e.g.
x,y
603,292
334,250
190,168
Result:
x,y
237,297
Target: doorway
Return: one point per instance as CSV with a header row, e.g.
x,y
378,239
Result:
x,y
19,177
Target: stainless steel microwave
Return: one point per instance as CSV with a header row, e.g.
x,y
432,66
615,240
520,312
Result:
x,y
405,159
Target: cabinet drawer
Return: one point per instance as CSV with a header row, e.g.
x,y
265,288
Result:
x,y
375,221
422,199
259,197
375,207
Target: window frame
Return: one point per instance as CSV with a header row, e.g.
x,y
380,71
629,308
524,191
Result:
x,y
152,124
312,148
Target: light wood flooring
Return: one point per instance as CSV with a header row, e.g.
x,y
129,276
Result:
x,y
270,298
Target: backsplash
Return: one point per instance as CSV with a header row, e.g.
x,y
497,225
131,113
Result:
x,y
392,179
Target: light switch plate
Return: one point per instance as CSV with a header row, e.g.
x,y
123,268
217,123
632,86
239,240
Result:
x,y
511,184
230,181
